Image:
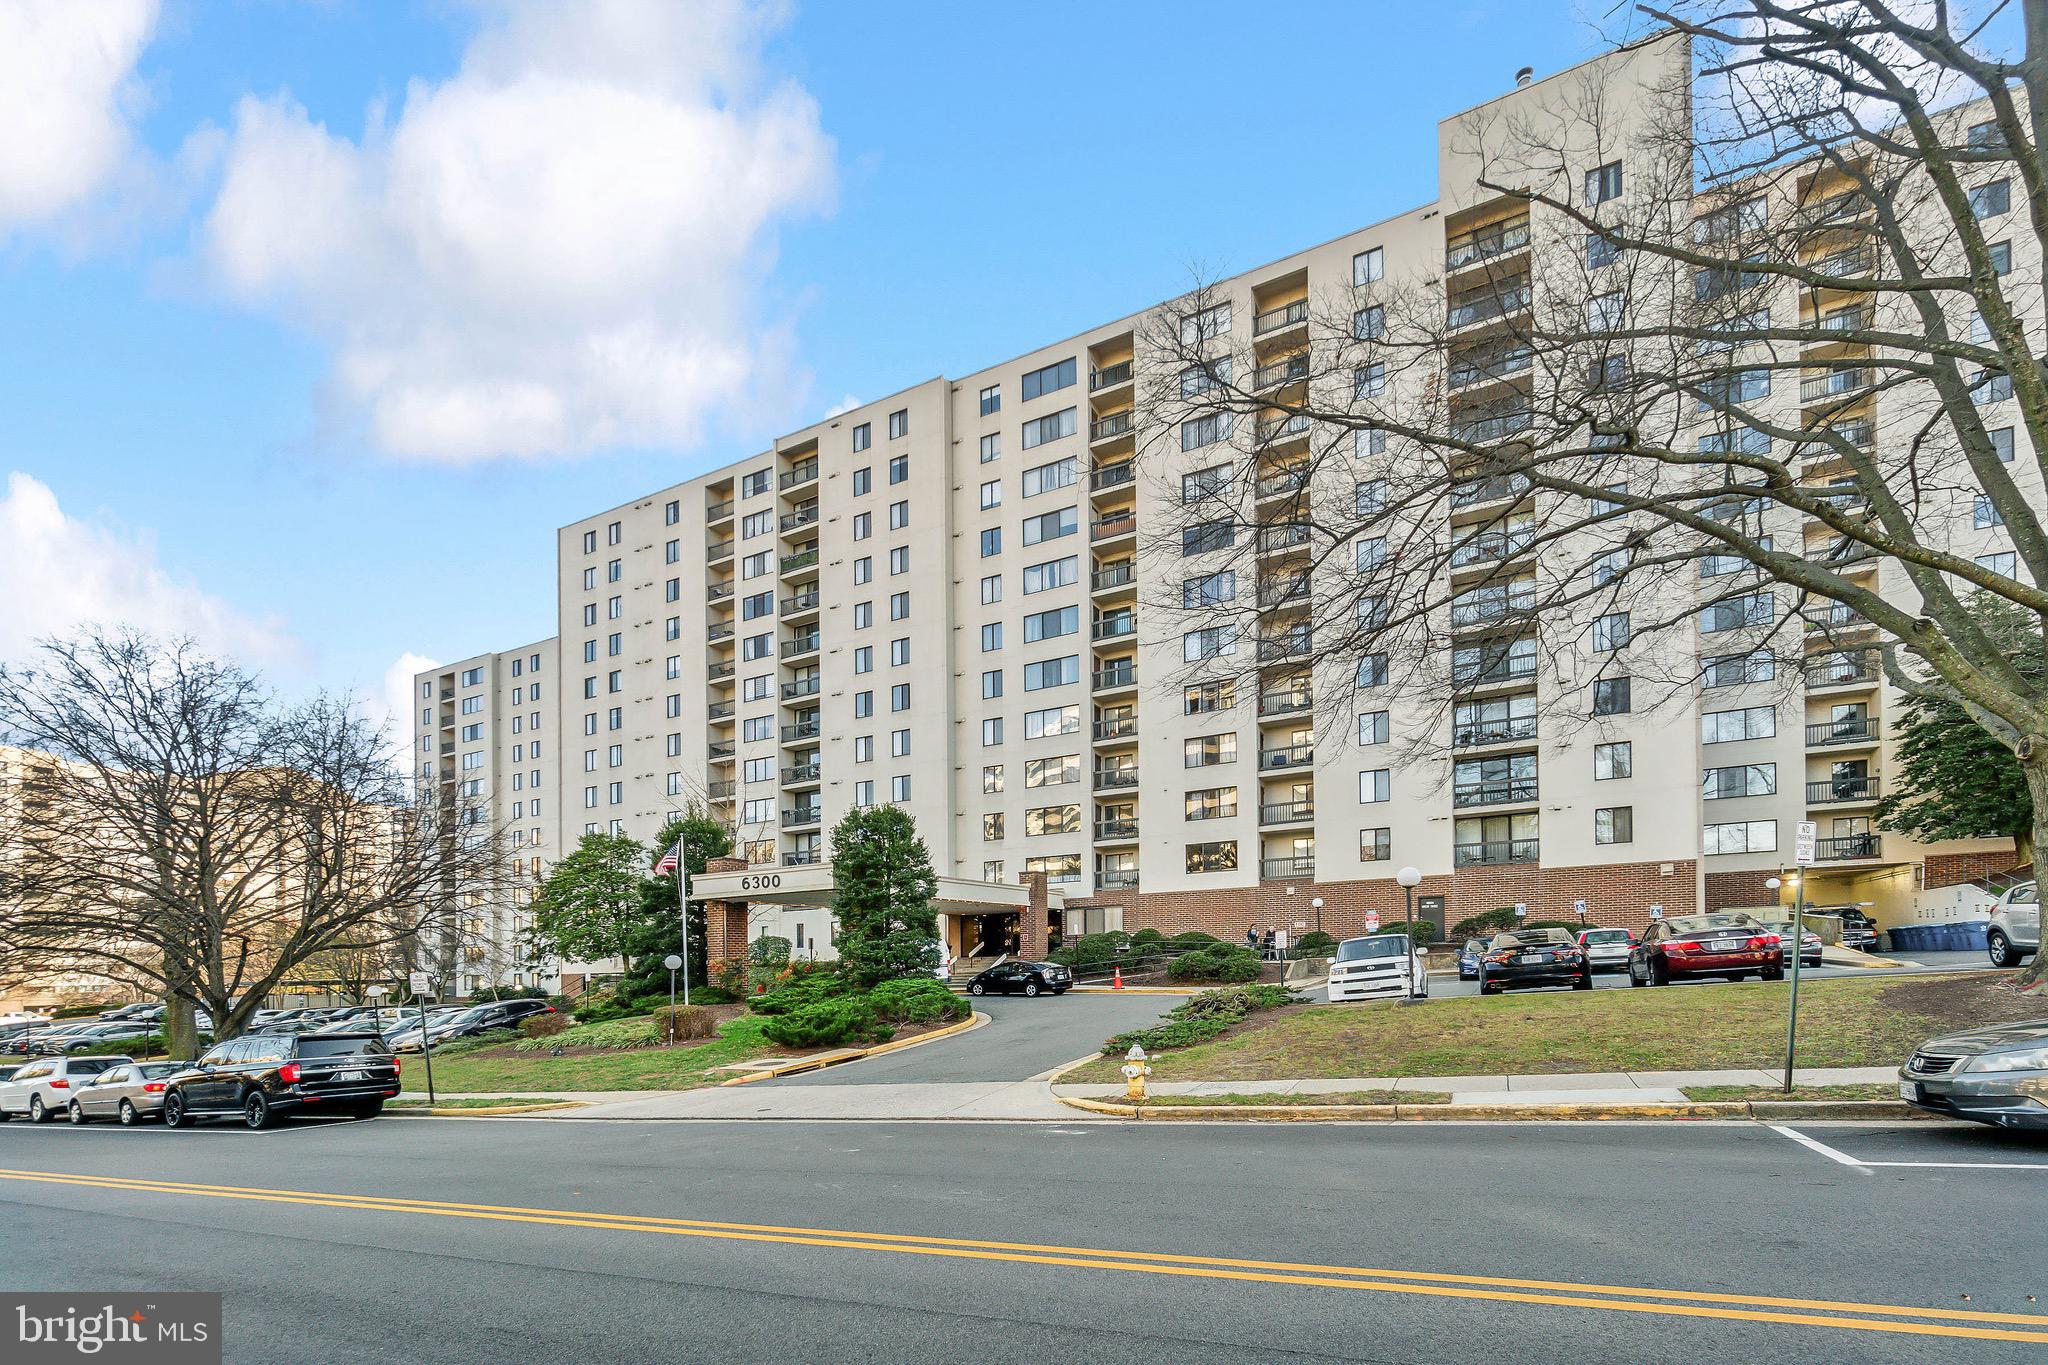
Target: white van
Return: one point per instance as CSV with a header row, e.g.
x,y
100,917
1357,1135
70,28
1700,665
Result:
x,y
1378,966
2015,929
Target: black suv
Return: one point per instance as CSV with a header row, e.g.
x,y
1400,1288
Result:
x,y
262,1077
1022,978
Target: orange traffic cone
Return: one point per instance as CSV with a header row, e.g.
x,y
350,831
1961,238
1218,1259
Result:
x,y
1118,983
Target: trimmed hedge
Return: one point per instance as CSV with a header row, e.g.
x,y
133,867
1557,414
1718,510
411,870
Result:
x,y
1316,943
914,1001
690,1021
1203,1017
544,1025
838,1022
1217,962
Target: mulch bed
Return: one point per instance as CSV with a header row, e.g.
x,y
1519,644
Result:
x,y
1987,997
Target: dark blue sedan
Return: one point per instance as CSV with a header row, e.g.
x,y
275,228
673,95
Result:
x,y
1468,959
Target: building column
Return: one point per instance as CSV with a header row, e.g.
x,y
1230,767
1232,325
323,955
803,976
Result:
x,y
725,922
1031,933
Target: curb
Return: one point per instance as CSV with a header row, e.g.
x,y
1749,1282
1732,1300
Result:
x,y
973,1021
1136,990
482,1111
1702,1109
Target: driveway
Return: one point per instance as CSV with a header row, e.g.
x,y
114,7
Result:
x,y
1023,1038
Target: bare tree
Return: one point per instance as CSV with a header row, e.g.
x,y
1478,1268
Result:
x,y
179,824
1768,408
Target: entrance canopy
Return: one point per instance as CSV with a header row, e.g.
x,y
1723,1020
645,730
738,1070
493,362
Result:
x,y
812,885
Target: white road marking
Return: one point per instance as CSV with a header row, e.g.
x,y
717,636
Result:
x,y
1858,1163
1816,1145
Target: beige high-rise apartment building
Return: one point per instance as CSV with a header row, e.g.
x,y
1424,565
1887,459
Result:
x,y
942,599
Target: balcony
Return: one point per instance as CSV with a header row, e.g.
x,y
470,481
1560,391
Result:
x,y
1835,616
1298,755
1117,879
1490,605
1842,265
1286,483
1287,869
722,750
1846,503
800,688
1818,447
719,511
1848,668
796,604
1506,792
718,592
1494,853
720,791
1280,319
1850,319
807,515
1490,547
1493,425
1849,730
1835,384
1113,526
1512,668
1506,730
1109,377
1292,645
1841,791
1116,626
721,631
1116,728
801,644
720,672
720,710
1469,310
803,473
720,550
1107,831
802,559
1115,779
803,857
1119,575
1278,592
1292,370
1110,427
1483,367
800,774
1285,703
1844,848
1112,475
1271,431
1473,492
1485,243
1123,673
1292,535
802,730
1841,550
1288,812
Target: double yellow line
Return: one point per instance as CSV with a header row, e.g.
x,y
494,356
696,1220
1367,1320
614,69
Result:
x,y
1865,1317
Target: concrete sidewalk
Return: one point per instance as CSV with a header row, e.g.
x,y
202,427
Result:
x,y
1597,1087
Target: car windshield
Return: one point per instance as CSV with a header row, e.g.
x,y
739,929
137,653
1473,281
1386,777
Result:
x,y
1531,938
156,1071
339,1047
1475,945
92,1066
1607,936
1731,921
1380,945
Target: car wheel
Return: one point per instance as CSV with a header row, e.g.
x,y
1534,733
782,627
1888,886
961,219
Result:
x,y
36,1112
129,1118
256,1110
2002,954
977,989
1658,972
76,1113
1031,988
174,1111
369,1110
1772,974
1585,982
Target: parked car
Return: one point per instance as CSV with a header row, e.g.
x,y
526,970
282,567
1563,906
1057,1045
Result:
x,y
1021,978
105,1033
1378,965
448,1022
1995,1075
42,1089
1606,949
1726,943
386,1021
1809,941
2014,933
263,1077
128,1093
1534,957
7,1071
1859,931
36,1042
1468,959
120,1012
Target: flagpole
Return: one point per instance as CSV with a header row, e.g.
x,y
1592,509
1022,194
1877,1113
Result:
x,y
683,909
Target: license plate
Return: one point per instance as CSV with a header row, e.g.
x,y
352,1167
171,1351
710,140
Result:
x,y
348,1076
1725,945
1526,959
1909,1090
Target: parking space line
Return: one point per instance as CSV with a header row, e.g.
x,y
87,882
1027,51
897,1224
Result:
x,y
1858,1163
1814,1144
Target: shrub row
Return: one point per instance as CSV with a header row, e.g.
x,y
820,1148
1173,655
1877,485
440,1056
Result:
x,y
1216,962
1203,1017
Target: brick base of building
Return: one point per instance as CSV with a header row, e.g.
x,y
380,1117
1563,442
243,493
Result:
x,y
1740,890
1953,869
1617,894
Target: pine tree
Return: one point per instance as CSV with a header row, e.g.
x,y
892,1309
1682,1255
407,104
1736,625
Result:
x,y
882,890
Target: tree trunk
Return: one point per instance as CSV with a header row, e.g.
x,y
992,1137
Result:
x,y
2033,978
181,1032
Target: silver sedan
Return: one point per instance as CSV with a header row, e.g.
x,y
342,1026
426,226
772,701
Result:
x,y
1996,1074
130,1093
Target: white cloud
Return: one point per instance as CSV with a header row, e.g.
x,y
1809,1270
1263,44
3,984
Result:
x,y
846,404
391,703
67,89
557,249
58,573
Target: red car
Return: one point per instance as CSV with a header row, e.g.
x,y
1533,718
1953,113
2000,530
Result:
x,y
1725,944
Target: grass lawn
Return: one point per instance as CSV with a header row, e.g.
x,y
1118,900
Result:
x,y
682,1067
1799,1092
1335,1097
1842,1022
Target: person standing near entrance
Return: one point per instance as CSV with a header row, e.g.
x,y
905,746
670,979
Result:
x,y
1251,937
1266,945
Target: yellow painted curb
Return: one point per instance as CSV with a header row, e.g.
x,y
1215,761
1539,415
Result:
x,y
973,1021
1698,1109
485,1110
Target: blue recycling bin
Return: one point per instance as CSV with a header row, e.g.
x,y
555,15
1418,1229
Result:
x,y
1971,933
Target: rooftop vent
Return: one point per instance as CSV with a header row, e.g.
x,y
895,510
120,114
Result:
x,y
1524,76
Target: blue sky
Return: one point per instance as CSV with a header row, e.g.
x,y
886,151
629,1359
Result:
x,y
185,338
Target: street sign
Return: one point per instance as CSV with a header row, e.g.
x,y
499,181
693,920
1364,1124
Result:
x,y
1520,910
1579,906
1656,912
1803,843
420,982
1372,921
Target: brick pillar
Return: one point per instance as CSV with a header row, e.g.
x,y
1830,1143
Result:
x,y
1031,932
725,922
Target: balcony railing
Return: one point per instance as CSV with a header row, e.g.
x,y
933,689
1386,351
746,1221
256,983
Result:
x,y
803,857
1486,547
1276,869
802,517
718,511
1290,370
803,729
800,602
718,672
1117,626
722,631
1844,847
1499,671
1116,727
1114,576
1835,616
1273,430
1502,793
1840,265
1470,310
1116,829
1834,384
1109,376
1287,812
1273,319
800,688
1286,482
1116,879
1851,319
1123,673
718,592
1479,368
1843,669
1294,645
1293,588
1472,492
1298,755
1841,550
1106,528
1112,475
1850,730
1502,731
1482,244
802,473
720,791
722,750
1841,789
802,559
1111,778
801,772
1494,852
1287,536
803,815
1494,426
720,710
720,550
1279,703
802,644
1114,425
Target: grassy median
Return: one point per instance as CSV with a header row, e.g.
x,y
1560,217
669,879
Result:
x,y
682,1067
1842,1022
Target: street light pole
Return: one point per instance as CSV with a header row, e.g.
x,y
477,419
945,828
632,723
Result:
x,y
672,962
1410,878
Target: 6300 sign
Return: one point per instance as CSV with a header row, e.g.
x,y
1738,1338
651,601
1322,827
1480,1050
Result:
x,y
761,881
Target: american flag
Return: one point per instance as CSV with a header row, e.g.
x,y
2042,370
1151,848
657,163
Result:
x,y
667,863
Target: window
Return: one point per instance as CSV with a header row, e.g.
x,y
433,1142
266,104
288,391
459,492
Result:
x,y
1210,803
1055,573
991,684
1603,183
1733,670
1369,381
991,446
863,615
899,606
590,542
1046,477
863,437
615,607
1372,727
758,770
1370,553
1741,779
1984,513
1207,751
992,731
1203,483
1053,720
1052,820
864,792
1197,380
755,647
863,570
751,606
2001,257
1610,632
2001,443
1614,825
2003,564
899,743
1605,312
1740,836
754,565
1205,431
1367,266
1375,845
1049,625
1746,722
1369,498
899,697
1991,199
1052,772
992,870
991,400
1610,696
1051,427
863,525
991,542
991,589
863,703
899,560
992,827
1056,868
1052,673
899,787
1217,856
1049,526
1751,609
992,494
1205,324
1049,379
758,728
899,468
1208,643
863,748
992,778
1208,590
613,532
899,423
863,481
991,637
672,513
899,652
1206,536
1600,251
1201,699
1372,671
757,482
1369,324
1374,786
899,515
864,659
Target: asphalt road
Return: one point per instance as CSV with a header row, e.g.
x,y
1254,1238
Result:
x,y
1024,1038
1385,1243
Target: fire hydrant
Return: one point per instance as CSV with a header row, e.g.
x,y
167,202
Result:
x,y
1135,1072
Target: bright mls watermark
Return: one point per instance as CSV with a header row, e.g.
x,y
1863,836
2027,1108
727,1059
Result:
x,y
167,1329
